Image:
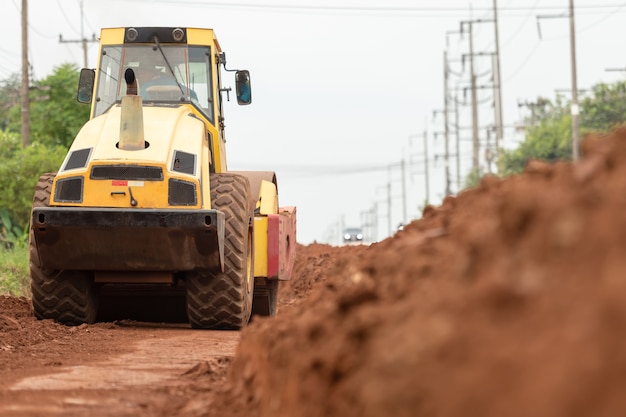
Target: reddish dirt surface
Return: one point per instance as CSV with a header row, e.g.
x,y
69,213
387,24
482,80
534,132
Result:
x,y
507,300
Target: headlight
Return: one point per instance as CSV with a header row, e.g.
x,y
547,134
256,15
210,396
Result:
x,y
181,193
69,190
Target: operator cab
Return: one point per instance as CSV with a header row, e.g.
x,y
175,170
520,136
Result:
x,y
169,74
172,66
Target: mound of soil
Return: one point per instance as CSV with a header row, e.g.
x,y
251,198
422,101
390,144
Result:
x,y
508,299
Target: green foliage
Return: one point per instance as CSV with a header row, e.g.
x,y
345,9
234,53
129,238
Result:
x,y
9,97
14,274
549,141
55,119
549,136
473,178
20,169
605,109
55,115
10,231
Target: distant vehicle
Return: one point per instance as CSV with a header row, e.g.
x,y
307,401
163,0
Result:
x,y
353,235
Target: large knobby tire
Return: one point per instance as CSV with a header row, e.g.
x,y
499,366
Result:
x,y
223,300
68,297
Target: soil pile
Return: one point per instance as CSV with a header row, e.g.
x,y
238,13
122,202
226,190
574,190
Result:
x,y
506,300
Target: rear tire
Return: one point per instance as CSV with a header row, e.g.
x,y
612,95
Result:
x,y
223,300
68,297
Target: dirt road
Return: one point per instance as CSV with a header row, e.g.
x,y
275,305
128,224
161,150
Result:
x,y
506,300
107,369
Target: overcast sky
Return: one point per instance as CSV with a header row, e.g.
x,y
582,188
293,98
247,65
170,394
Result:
x,y
343,91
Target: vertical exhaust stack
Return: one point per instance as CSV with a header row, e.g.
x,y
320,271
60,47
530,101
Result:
x,y
131,123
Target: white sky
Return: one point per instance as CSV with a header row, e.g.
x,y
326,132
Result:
x,y
343,90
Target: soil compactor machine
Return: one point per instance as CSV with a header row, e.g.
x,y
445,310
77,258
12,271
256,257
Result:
x,y
144,202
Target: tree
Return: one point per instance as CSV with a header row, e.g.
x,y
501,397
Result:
x,y
9,97
605,109
56,118
20,169
549,136
549,141
55,115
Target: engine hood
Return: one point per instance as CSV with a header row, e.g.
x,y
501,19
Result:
x,y
166,129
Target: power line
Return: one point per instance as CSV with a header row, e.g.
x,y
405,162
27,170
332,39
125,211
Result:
x,y
524,62
69,22
365,9
519,28
89,25
83,40
617,10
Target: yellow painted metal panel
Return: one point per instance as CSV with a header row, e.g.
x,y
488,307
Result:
x,y
219,154
112,36
200,36
166,129
117,193
268,198
260,246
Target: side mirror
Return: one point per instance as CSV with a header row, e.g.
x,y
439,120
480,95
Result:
x,y
85,85
242,84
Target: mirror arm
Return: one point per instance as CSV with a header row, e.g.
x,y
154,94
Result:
x,y
227,90
222,60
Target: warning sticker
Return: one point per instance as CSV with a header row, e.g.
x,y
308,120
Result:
x,y
126,183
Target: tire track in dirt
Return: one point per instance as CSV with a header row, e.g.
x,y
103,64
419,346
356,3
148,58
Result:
x,y
159,376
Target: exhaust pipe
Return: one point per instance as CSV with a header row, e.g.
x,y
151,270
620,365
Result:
x,y
131,123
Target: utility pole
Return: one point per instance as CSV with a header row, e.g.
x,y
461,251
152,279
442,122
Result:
x,y
445,122
84,41
25,76
498,83
404,209
389,208
574,108
426,176
458,142
475,143
426,173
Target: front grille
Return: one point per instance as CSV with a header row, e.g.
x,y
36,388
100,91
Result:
x,y
78,159
126,172
69,190
181,193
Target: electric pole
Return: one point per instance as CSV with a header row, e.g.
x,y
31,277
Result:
x,y
25,76
445,122
84,41
475,143
424,136
458,142
426,166
498,83
574,108
389,208
404,209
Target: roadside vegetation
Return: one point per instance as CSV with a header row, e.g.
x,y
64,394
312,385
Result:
x,y
55,119
549,128
14,278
